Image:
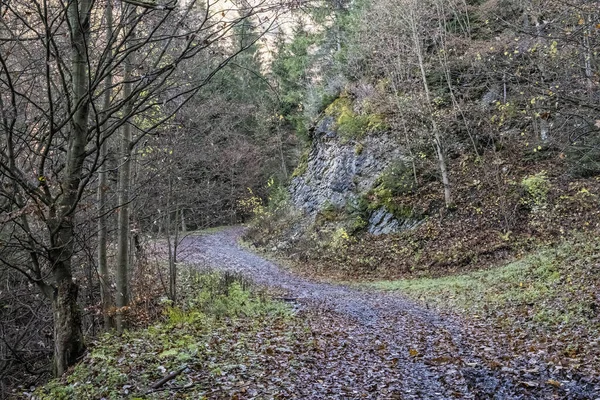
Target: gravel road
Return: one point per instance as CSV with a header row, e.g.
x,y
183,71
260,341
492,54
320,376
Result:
x,y
437,357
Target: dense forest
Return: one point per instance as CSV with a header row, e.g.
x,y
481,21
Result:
x,y
445,151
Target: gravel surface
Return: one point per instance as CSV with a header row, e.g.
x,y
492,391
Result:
x,y
437,358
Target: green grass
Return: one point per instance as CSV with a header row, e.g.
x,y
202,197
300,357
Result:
x,y
522,280
551,288
545,303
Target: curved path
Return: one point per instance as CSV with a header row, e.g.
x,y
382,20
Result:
x,y
435,360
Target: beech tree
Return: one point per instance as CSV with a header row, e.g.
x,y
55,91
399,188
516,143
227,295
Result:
x,y
64,93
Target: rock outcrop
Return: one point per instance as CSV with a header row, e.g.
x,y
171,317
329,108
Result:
x,y
339,171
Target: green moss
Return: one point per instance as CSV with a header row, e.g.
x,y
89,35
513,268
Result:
x,y
359,148
351,125
326,101
302,164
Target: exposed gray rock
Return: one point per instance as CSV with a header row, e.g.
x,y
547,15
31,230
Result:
x,y
338,172
491,96
383,222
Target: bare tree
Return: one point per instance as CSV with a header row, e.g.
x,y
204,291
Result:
x,y
412,21
105,292
56,59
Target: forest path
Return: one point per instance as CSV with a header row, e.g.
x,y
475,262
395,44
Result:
x,y
432,356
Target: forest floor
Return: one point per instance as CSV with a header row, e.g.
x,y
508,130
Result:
x,y
383,345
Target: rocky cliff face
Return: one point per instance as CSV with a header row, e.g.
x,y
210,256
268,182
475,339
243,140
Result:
x,y
338,172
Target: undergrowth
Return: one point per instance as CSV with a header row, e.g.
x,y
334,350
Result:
x,y
209,334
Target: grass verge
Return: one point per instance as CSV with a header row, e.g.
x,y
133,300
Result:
x,y
547,303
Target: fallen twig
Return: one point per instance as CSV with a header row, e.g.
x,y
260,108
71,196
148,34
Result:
x,y
167,378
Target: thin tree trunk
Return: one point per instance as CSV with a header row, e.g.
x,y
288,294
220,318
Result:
x,y
443,57
105,295
587,55
437,138
124,206
174,257
231,199
172,267
69,345
281,153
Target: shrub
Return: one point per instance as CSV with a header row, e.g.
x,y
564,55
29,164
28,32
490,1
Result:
x,y
395,181
340,239
583,157
398,179
536,190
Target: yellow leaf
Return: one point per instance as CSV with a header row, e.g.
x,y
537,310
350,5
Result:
x,y
581,21
553,383
413,352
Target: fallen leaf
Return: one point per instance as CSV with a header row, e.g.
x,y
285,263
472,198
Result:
x,y
553,383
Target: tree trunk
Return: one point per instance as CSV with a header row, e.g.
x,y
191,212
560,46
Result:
x,y
281,152
105,295
437,137
124,188
68,337
171,245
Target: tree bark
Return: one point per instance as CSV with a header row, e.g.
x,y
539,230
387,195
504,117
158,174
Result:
x,y
124,206
68,338
105,294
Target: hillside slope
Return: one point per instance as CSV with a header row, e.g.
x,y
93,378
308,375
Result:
x,y
457,162
449,138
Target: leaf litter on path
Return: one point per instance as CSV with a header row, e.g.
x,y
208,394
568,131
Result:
x,y
380,346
